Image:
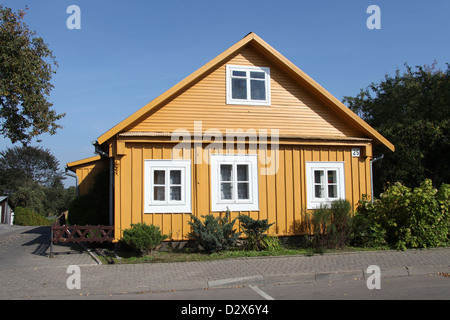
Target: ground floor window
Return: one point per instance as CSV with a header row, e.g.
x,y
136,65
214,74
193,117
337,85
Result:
x,y
167,186
324,183
234,182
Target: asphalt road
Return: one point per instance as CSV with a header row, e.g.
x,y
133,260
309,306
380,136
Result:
x,y
419,287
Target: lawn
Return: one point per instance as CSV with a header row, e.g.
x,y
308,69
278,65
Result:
x,y
108,256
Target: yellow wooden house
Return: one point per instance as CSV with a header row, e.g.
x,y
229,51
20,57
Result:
x,y
248,131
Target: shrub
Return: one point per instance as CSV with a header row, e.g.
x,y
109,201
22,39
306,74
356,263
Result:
x,y
341,223
367,226
321,222
254,230
332,225
27,217
215,233
142,238
406,218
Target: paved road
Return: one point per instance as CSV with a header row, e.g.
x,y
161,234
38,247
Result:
x,y
26,271
418,287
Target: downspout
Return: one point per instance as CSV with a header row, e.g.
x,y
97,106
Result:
x,y
111,179
73,175
371,174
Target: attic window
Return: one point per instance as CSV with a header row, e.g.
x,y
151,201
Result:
x,y
248,85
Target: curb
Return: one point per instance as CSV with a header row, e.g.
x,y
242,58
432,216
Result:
x,y
242,281
325,276
92,254
427,269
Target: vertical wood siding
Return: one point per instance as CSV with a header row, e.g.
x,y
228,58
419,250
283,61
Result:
x,y
86,174
282,197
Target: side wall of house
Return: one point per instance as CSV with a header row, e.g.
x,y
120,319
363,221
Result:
x,y
86,174
282,196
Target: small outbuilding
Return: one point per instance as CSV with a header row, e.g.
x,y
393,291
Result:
x,y
6,210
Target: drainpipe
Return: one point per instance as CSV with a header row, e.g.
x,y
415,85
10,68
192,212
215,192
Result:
x,y
371,174
111,179
73,175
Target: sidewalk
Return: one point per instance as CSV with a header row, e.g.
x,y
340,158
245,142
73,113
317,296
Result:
x,y
27,272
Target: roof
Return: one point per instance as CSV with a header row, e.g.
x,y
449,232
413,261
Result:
x,y
269,52
8,200
73,164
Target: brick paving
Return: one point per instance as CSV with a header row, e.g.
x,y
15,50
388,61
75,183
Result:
x,y
26,271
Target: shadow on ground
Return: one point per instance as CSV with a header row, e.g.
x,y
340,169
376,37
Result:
x,y
42,243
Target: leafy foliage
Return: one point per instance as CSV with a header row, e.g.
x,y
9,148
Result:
x,y
27,217
31,164
215,233
25,74
405,217
31,176
412,110
142,238
254,230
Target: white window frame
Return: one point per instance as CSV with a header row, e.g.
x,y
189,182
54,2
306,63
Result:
x,y
248,101
235,204
167,206
314,202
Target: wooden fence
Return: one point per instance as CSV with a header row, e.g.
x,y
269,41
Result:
x,y
77,234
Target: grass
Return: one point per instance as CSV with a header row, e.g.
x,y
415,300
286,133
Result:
x,y
124,257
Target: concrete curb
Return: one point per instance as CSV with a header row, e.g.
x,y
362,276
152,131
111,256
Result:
x,y
417,270
324,276
243,281
92,254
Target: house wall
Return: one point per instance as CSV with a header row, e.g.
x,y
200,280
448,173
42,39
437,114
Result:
x,y
282,197
293,110
86,174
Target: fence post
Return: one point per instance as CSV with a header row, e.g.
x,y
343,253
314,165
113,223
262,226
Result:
x,y
51,241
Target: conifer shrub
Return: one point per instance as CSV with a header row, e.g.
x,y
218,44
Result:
x,y
142,238
255,231
214,234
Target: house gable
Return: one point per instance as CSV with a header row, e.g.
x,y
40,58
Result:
x,y
311,108
293,110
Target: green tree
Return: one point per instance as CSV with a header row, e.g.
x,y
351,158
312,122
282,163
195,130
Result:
x,y
31,164
26,68
32,177
412,110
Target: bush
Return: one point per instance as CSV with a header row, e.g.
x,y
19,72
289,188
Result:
x,y
332,225
254,230
27,217
405,218
367,226
142,238
215,233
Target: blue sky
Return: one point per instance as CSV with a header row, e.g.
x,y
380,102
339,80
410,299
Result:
x,y
129,52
